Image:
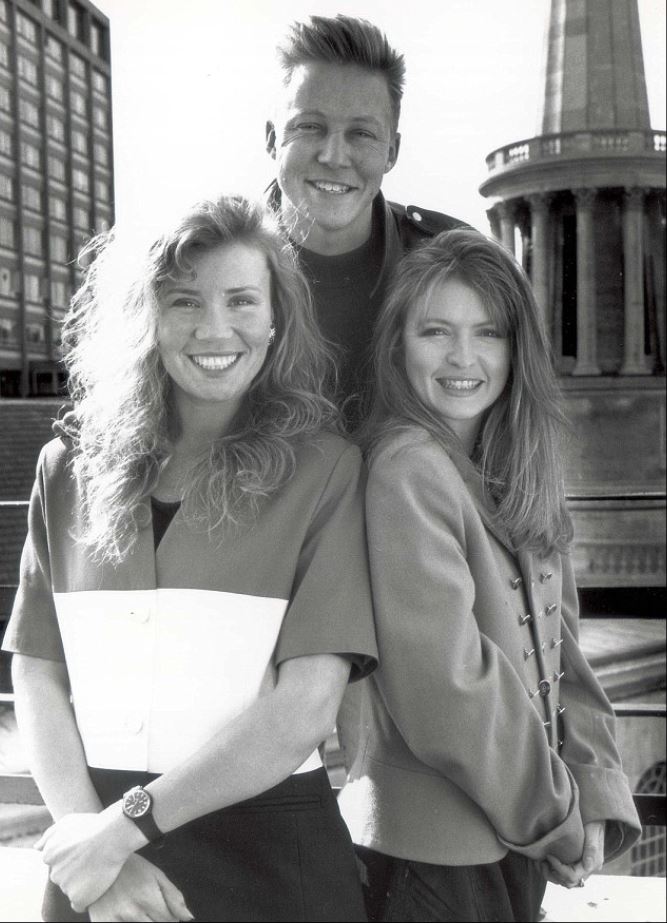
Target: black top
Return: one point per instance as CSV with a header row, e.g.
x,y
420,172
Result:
x,y
163,513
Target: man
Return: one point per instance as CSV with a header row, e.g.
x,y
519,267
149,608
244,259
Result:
x,y
334,136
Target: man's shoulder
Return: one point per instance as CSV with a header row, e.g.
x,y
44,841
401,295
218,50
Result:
x,y
417,223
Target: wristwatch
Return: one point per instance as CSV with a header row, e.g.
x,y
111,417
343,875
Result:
x,y
138,806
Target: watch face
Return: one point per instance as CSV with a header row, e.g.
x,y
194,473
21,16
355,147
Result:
x,y
136,802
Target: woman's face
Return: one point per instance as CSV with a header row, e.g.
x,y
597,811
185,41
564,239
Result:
x,y
213,328
456,357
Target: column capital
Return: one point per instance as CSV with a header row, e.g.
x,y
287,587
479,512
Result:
x,y
539,201
584,197
634,196
506,210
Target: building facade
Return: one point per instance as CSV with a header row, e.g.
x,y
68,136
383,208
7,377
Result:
x,y
56,176
583,206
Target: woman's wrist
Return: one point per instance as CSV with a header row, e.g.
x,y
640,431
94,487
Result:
x,y
124,837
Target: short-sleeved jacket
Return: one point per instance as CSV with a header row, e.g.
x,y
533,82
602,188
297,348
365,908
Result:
x,y
165,647
484,728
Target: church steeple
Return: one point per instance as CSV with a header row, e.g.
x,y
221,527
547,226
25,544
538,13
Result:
x,y
594,68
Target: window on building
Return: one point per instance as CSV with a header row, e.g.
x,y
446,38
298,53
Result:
x,y
56,168
99,82
80,180
7,234
101,154
6,281
4,55
102,190
53,48
34,333
58,248
6,330
32,240
97,40
52,9
5,142
27,69
54,87
59,293
78,102
29,112
3,11
6,187
79,141
648,854
100,118
32,197
77,65
55,127
81,217
75,20
57,208
5,99
32,287
30,155
26,28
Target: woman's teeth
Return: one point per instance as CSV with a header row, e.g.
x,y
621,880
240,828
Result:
x,y
215,363
459,384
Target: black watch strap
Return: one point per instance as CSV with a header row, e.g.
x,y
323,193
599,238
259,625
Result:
x,y
149,829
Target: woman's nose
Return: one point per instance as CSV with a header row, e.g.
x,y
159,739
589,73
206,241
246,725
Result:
x,y
214,325
334,150
460,352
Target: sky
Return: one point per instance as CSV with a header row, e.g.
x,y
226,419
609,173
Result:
x,y
192,84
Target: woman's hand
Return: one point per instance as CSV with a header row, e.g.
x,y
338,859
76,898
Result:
x,y
83,858
592,859
140,892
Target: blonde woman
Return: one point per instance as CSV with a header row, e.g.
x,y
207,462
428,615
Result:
x,y
194,595
486,761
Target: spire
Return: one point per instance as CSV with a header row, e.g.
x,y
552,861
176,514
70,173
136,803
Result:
x,y
594,68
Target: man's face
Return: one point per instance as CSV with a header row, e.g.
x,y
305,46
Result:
x,y
333,141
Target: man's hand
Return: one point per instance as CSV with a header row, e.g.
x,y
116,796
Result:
x,y
84,860
140,892
592,859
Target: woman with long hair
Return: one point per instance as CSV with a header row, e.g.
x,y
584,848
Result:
x,y
194,594
483,758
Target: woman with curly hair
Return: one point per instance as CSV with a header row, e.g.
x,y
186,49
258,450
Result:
x,y
485,761
194,595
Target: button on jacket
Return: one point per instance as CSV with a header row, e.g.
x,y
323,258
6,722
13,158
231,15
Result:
x,y
484,729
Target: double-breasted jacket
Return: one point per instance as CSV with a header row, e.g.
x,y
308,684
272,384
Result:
x,y
484,729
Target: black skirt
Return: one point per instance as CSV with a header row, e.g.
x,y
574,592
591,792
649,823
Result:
x,y
284,855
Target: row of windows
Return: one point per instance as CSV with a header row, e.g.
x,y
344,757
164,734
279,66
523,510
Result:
x,y
32,198
34,240
31,156
34,286
69,14
35,333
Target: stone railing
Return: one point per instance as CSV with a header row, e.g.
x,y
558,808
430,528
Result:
x,y
578,144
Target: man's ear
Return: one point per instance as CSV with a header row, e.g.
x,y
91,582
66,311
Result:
x,y
270,134
392,155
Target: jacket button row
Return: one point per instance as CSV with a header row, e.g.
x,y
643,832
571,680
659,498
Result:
x,y
544,687
516,582
545,575
525,618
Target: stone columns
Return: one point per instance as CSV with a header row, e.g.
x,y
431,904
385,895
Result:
x,y
539,218
634,359
494,222
586,363
506,212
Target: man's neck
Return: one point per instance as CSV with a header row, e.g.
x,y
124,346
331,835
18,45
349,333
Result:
x,y
326,241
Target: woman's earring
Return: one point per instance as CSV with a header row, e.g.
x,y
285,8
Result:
x,y
272,334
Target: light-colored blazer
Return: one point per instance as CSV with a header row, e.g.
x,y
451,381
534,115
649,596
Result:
x,y
484,728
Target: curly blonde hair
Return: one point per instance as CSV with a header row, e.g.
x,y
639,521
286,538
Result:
x,y
122,425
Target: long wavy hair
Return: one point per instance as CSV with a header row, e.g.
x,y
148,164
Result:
x,y
518,450
123,422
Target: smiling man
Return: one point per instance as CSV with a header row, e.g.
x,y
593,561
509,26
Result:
x,y
334,136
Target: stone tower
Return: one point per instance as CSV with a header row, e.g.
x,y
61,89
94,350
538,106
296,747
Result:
x,y
582,205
